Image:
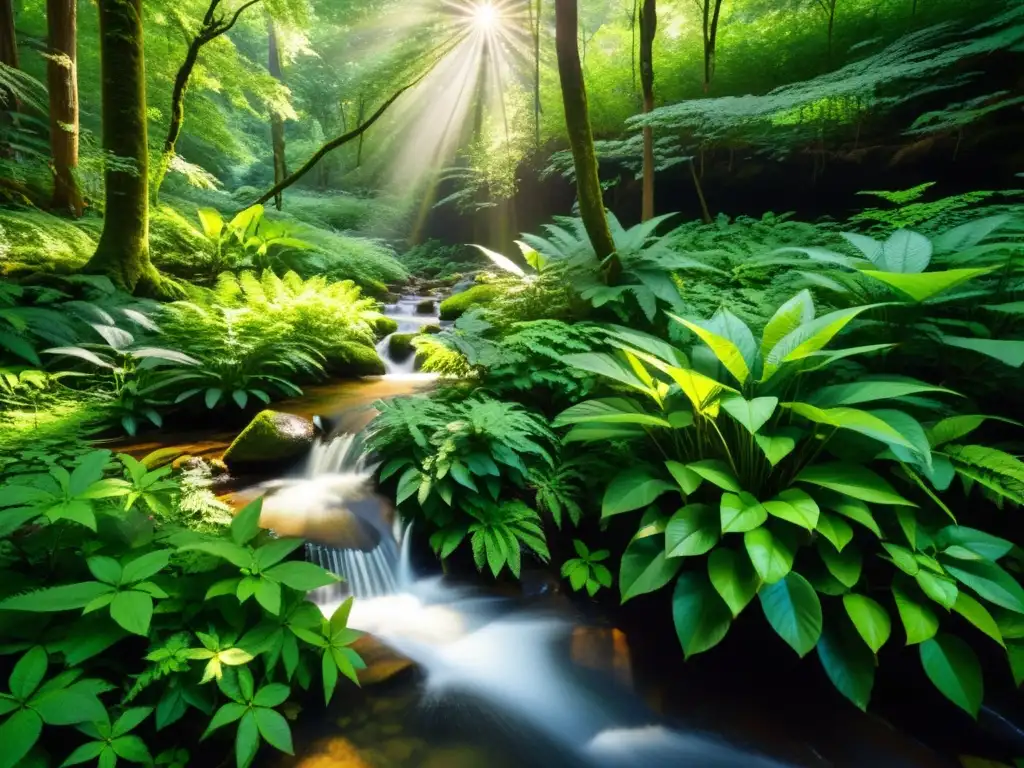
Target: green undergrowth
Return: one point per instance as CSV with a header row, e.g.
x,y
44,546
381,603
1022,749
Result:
x,y
456,306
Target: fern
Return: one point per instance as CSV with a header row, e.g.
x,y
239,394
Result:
x,y
1000,475
500,530
558,490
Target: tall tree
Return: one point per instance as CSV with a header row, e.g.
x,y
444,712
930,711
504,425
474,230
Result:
x,y
276,121
648,29
828,7
535,16
123,250
710,12
581,137
62,82
8,56
213,26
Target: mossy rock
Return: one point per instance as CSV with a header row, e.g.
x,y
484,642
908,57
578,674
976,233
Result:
x,y
354,359
385,326
456,306
271,438
400,346
426,307
432,329
374,288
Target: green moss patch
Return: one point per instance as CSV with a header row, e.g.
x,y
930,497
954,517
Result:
x,y
40,241
400,345
385,326
456,306
270,438
353,359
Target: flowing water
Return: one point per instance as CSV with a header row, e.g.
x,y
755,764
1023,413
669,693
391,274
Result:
x,y
410,320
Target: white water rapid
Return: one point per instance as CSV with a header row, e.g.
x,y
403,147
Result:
x,y
410,320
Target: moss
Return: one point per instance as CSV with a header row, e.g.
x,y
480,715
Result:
x,y
372,287
425,307
44,242
385,326
400,346
431,329
176,244
455,306
270,438
353,359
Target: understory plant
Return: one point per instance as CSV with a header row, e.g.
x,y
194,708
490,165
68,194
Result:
x,y
839,503
120,635
249,240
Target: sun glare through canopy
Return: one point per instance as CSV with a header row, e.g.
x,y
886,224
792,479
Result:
x,y
485,16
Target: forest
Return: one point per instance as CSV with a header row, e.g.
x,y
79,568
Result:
x,y
486,383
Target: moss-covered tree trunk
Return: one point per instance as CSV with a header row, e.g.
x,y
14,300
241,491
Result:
x,y
8,56
123,249
276,122
648,29
62,83
581,137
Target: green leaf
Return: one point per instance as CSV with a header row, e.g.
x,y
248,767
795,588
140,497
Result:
x,y
848,663
701,618
919,621
776,447
809,338
733,577
939,588
925,286
741,513
632,489
233,553
752,414
725,347
644,567
76,510
771,556
1009,353
611,410
845,566
144,567
976,613
130,720
68,706
268,594
871,390
792,608
870,619
835,530
329,673
228,713
65,598
790,316
276,551
87,471
133,611
970,544
794,506
689,481
606,365
106,569
246,524
717,472
274,729
28,673
861,422
853,480
301,576
133,749
852,509
408,484
692,530
18,735
247,740
990,581
954,669
84,753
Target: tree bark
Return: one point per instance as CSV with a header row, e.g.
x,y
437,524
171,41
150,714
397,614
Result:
x,y
536,73
581,137
711,16
62,83
8,56
123,249
648,29
276,122
360,116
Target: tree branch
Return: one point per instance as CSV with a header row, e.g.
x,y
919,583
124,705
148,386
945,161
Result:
x,y
234,19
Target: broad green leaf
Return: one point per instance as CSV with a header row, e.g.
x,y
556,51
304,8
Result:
x,y
954,669
733,577
927,285
268,594
132,749
701,618
790,316
968,235
835,530
725,349
88,470
1009,353
28,673
855,481
64,598
408,484
955,427
130,720
692,530
861,422
919,621
717,472
976,613
794,506
752,414
794,611
871,620
741,513
966,543
329,673
68,706
276,551
871,390
852,509
809,338
246,524
689,481
247,740
1015,654
902,558
233,553
301,576
845,566
274,729
18,734
872,249
612,410
83,754
632,489
848,663
133,611
644,567
906,252
587,433
211,222
606,365
775,447
771,556
142,568
941,589
990,581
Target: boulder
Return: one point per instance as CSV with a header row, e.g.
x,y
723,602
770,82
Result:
x,y
425,307
382,663
352,359
400,346
271,438
456,306
385,326
431,329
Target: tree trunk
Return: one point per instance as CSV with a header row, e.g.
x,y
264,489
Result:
x,y
360,116
831,26
62,83
704,212
711,17
276,122
581,137
8,56
536,74
123,250
648,29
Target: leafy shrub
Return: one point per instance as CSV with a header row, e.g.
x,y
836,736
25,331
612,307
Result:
x,y
910,211
440,261
587,571
153,630
455,462
344,257
786,498
249,239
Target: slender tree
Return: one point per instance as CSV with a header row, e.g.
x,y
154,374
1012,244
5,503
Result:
x,y
581,137
710,12
276,121
535,15
214,25
648,29
828,7
62,82
123,249
9,57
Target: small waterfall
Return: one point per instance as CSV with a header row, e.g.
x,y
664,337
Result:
x,y
409,321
